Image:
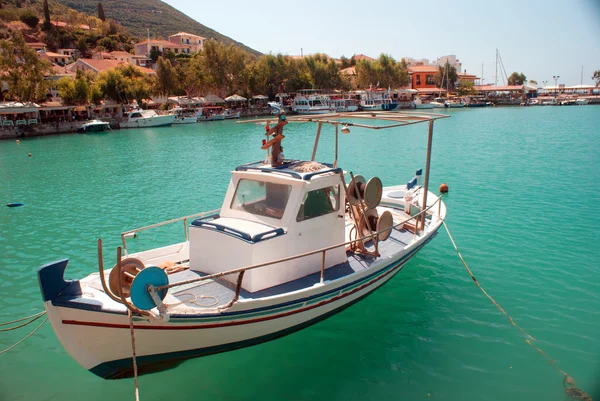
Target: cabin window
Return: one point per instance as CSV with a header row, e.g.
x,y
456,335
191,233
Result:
x,y
261,198
418,79
136,115
319,203
429,80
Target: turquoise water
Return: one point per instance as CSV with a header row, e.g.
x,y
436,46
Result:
x,y
523,208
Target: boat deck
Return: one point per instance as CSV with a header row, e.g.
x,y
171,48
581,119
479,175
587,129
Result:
x,y
219,292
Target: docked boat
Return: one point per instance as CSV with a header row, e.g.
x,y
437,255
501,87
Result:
x,y
94,126
181,117
343,105
439,103
377,101
550,102
455,103
212,113
230,114
419,104
311,104
582,101
146,118
293,243
534,102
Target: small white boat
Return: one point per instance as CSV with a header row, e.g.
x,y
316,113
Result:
x,y
439,103
146,118
310,104
181,117
343,105
550,102
568,102
455,103
212,113
230,114
534,102
418,104
293,243
94,126
582,101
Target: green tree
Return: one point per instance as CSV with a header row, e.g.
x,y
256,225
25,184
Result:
x,y
166,77
101,15
446,75
517,79
532,82
596,77
29,18
47,24
66,90
154,54
465,88
24,71
82,88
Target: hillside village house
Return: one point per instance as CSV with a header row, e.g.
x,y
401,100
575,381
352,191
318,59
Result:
x,y
141,49
195,42
55,58
97,66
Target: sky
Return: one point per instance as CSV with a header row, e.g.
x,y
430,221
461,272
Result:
x,y
541,39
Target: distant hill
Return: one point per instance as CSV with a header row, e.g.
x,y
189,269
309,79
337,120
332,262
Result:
x,y
162,19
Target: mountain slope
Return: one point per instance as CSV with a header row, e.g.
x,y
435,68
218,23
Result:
x,y
162,19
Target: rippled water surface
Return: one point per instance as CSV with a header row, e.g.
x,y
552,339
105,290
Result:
x,y
523,207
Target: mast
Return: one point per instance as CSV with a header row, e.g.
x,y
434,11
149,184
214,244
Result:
x,y
496,81
581,80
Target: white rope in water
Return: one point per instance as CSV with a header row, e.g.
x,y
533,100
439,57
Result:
x,y
36,317
135,373
571,388
23,318
25,338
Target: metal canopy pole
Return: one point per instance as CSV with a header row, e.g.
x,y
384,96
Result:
x,y
314,154
336,147
427,165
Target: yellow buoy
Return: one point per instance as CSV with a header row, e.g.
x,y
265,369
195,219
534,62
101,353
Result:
x,y
18,141
444,188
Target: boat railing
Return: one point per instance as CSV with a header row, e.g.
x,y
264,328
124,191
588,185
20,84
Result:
x,y
133,233
419,224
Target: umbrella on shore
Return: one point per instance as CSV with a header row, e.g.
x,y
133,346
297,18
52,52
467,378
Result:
x,y
260,97
235,98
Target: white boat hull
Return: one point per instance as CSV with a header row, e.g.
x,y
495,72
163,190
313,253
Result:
x,y
423,106
185,120
101,343
145,122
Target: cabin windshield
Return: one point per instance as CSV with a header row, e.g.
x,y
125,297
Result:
x,y
261,198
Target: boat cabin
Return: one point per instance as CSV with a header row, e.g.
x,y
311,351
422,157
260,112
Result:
x,y
270,213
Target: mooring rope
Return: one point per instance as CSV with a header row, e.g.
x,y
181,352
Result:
x,y
23,318
569,384
35,317
135,372
24,338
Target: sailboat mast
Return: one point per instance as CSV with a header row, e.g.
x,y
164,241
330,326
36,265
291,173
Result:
x,y
496,81
581,80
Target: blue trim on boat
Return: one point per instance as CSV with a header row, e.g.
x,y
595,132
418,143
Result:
x,y
122,368
52,282
234,232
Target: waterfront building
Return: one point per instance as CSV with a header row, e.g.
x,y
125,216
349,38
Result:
x,y
450,59
423,76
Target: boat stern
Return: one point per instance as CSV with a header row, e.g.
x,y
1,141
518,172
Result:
x,y
52,281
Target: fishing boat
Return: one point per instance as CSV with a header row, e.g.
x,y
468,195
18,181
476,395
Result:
x,y
439,103
146,118
310,101
582,101
419,104
343,105
377,101
294,242
94,126
210,113
230,114
181,117
550,102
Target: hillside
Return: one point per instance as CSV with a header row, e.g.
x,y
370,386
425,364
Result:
x,y
162,19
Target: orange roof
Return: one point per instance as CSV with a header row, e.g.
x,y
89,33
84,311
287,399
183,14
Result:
x,y
58,70
422,68
121,54
186,34
103,65
52,54
493,88
363,57
349,71
464,75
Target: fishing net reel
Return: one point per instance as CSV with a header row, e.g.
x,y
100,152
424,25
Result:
x,y
363,198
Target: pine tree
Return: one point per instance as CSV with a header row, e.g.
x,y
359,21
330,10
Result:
x,y
46,15
101,12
